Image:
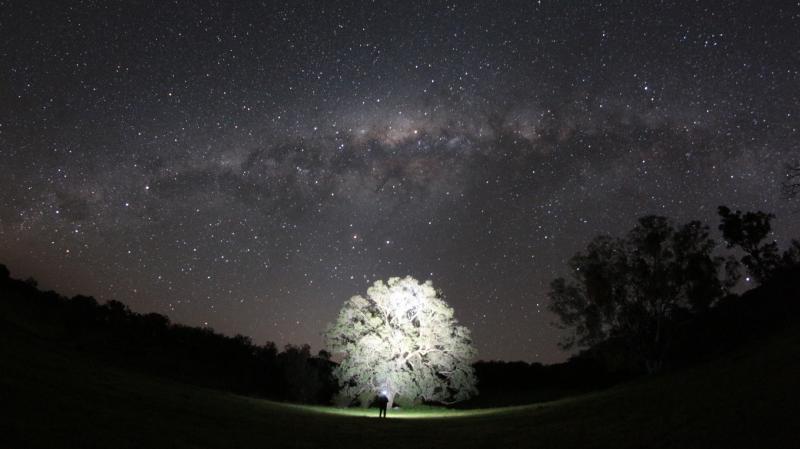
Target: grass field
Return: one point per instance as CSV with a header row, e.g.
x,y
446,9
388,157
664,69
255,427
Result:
x,y
53,397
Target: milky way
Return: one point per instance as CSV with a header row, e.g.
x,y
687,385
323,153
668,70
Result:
x,y
249,166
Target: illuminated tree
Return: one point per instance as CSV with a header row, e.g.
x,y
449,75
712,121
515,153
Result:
x,y
402,340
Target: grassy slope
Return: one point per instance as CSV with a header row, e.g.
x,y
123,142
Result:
x,y
57,398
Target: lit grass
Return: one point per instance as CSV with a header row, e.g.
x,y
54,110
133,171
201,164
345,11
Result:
x,y
54,397
417,412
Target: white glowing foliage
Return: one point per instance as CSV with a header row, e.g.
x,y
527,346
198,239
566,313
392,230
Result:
x,y
402,339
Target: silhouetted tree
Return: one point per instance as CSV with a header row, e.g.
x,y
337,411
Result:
x,y
150,343
791,257
748,231
4,274
634,288
301,379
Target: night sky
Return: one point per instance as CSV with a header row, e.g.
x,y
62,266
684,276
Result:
x,y
248,166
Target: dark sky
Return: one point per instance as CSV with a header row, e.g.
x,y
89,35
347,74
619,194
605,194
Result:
x,y
250,165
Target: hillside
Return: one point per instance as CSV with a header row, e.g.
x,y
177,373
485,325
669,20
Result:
x,y
56,397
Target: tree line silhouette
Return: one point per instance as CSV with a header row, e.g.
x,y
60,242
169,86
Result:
x,y
664,295
151,343
659,297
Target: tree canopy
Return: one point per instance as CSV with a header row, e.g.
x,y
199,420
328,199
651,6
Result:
x,y
748,231
631,288
403,341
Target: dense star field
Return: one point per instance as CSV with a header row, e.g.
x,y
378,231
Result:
x,y
249,166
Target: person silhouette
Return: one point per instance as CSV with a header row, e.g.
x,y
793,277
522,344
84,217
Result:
x,y
383,402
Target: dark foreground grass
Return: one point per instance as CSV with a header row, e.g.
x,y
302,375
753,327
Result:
x,y
53,397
